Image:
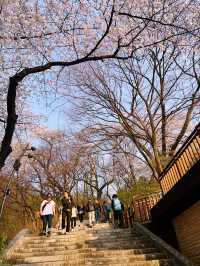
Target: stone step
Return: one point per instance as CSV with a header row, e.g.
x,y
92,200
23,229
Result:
x,y
122,240
93,240
66,239
110,230
101,236
111,233
55,245
119,256
114,236
110,244
100,255
60,235
71,247
52,249
138,263
107,236
91,252
48,240
94,257
163,262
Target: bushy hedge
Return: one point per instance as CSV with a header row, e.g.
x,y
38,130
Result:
x,y
3,242
141,189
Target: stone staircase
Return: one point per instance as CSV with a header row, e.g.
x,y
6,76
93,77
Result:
x,y
101,245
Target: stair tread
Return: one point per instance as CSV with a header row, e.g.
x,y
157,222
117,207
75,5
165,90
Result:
x,y
96,255
135,263
92,251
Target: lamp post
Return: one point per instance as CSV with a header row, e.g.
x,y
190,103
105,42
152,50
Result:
x,y
15,169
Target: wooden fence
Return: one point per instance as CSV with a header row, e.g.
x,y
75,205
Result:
x,y
182,162
186,157
140,209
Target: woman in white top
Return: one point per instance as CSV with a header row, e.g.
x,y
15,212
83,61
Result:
x,y
73,216
47,210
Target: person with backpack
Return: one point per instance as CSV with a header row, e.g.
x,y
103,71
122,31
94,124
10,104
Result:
x,y
117,207
97,209
47,211
107,211
66,212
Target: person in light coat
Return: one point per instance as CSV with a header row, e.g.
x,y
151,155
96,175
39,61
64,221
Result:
x,y
74,216
47,211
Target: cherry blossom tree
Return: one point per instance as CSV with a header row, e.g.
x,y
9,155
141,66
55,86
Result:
x,y
66,163
55,166
39,37
150,99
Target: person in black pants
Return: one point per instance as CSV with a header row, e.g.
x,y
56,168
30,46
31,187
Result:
x,y
118,209
81,212
66,211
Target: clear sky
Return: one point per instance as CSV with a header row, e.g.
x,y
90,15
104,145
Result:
x,y
53,111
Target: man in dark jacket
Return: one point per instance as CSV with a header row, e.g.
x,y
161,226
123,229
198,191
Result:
x,y
66,211
118,209
81,212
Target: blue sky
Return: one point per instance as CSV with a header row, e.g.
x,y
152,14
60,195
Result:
x,y
52,109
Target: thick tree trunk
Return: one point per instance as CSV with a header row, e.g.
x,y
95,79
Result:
x,y
99,194
6,148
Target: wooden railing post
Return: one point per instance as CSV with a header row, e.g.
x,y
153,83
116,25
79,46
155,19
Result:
x,y
178,169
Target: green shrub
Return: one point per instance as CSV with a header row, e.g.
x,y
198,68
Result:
x,y
3,242
141,189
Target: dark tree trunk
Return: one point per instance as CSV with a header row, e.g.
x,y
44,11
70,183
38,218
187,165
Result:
x,y
6,148
99,194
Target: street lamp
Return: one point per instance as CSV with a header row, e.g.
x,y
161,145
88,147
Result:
x,y
16,167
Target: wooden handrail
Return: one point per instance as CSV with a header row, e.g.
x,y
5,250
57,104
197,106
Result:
x,y
182,162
